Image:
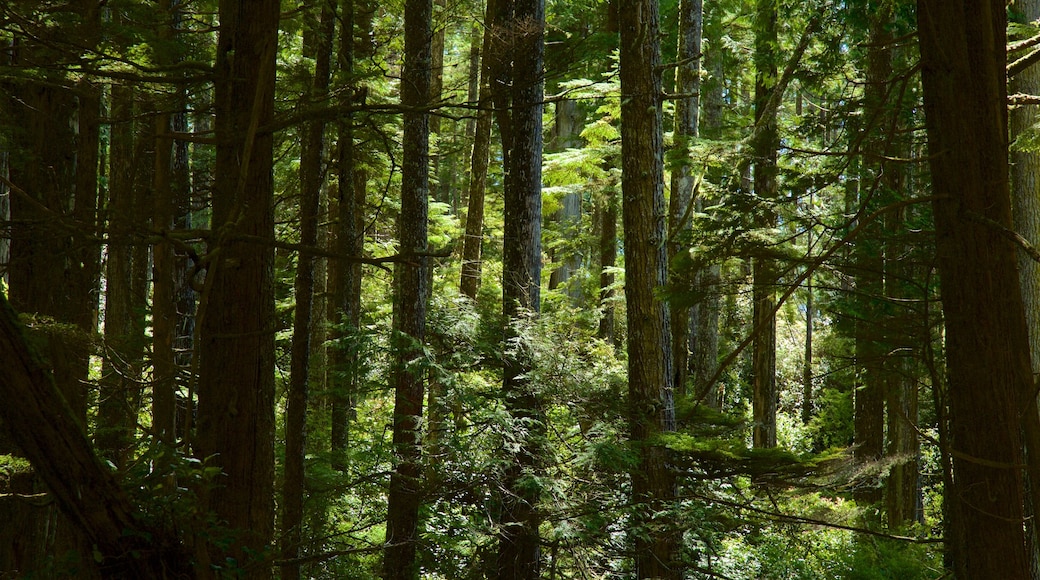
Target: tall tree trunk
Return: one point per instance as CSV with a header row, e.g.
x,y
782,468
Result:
x,y
764,148
172,297
54,260
519,554
870,326
704,335
963,72
882,111
410,296
439,22
470,279
318,42
687,111
344,275
1025,181
124,329
236,367
650,398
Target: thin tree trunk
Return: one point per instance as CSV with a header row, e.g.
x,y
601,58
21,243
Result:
x,y
764,150
345,276
687,111
704,336
124,333
322,27
470,279
410,296
172,297
608,218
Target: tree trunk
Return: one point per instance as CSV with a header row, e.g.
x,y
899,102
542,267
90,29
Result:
x,y
54,258
650,403
1025,179
963,72
345,276
319,44
566,128
764,276
704,336
608,218
470,279
519,554
236,367
410,297
687,110
49,432
172,296
124,328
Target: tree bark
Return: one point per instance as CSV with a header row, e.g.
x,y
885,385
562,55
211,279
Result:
x,y
471,248
963,64
124,327
410,297
236,367
764,149
344,276
704,338
319,41
687,111
650,398
519,552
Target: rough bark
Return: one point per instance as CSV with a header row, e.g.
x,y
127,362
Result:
x,y
963,63
764,277
519,551
650,404
319,44
345,277
236,350
410,297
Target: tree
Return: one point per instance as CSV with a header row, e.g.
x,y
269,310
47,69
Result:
x,y
687,111
650,398
522,26
410,296
704,334
47,429
764,149
322,27
474,236
236,367
963,64
349,238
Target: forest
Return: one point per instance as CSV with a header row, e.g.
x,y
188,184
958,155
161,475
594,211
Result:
x,y
520,289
